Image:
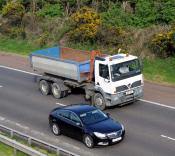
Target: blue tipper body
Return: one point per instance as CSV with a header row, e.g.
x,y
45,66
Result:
x,y
54,54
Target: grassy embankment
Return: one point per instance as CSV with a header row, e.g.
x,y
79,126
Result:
x,y
8,151
156,70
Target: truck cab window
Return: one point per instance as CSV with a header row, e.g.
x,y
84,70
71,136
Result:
x,y
104,71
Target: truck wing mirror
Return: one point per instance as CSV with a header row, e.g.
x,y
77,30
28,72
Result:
x,y
141,64
106,80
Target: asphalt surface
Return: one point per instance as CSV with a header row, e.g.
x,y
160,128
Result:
x,y
150,129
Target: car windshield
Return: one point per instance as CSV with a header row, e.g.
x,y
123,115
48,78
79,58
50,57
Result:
x,y
125,70
93,117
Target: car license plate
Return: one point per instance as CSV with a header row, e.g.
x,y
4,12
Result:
x,y
129,92
116,139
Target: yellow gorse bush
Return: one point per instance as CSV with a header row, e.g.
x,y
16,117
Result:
x,y
163,44
13,8
86,23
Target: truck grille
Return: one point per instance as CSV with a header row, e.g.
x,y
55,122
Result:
x,y
136,84
124,87
114,135
121,88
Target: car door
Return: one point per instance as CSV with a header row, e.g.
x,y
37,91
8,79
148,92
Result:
x,y
64,117
76,127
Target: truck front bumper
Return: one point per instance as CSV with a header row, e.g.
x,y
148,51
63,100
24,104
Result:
x,y
122,98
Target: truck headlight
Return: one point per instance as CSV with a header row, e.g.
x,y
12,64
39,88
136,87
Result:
x,y
100,135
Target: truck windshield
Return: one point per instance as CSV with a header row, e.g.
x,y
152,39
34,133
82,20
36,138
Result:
x,y
125,70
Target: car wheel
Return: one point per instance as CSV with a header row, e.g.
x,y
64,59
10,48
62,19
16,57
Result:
x,y
88,141
56,129
99,101
44,87
56,91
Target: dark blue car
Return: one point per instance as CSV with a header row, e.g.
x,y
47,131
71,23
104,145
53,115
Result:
x,y
86,123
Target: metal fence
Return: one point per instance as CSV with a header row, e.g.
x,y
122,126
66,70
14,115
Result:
x,y
19,147
31,141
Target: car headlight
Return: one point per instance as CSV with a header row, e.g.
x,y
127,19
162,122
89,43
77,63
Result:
x,y
122,127
100,135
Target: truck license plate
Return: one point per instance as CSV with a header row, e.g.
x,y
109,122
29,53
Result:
x,y
129,92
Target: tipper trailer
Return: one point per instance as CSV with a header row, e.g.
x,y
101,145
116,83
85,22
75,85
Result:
x,y
107,80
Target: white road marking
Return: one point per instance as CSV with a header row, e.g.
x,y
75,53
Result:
x,y
21,126
158,104
61,104
167,137
1,86
151,102
19,70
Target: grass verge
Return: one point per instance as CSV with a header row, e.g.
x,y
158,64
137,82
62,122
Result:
x,y
21,47
6,150
160,70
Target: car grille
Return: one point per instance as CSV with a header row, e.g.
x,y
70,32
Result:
x,y
114,134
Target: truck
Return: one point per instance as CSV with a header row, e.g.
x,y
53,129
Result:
x,y
106,80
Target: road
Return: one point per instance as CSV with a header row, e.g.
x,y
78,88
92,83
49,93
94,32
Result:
x,y
150,128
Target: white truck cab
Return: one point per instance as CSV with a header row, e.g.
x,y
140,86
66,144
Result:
x,y
119,79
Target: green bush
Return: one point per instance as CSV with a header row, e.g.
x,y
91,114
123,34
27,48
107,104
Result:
x,y
2,2
116,17
16,32
163,44
145,13
166,12
43,38
50,10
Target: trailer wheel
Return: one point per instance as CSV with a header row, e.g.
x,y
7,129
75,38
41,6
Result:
x,y
56,91
99,101
44,87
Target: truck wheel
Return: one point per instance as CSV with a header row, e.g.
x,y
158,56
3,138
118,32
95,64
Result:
x,y
56,91
99,101
87,97
44,87
65,93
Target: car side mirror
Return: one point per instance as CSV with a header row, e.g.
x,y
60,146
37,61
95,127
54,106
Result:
x,y
78,124
108,114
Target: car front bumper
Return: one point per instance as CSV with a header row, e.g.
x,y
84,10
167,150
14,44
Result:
x,y
108,141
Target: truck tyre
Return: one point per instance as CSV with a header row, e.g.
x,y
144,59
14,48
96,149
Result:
x,y
87,97
44,87
99,101
65,93
56,91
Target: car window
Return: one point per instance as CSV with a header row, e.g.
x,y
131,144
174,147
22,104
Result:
x,y
74,118
64,113
93,117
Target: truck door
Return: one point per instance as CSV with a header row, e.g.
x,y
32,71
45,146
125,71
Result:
x,y
102,77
